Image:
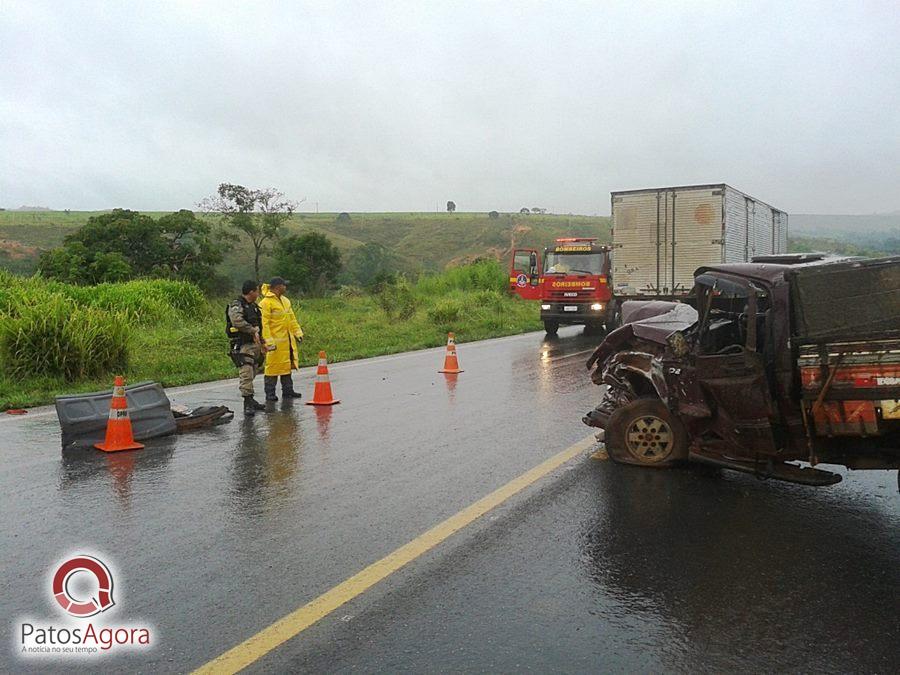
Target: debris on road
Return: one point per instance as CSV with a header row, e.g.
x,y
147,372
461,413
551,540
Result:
x,y
83,417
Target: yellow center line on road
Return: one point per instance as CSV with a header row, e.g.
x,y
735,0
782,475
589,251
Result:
x,y
254,648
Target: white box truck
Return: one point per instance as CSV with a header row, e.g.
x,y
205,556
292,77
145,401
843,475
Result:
x,y
661,235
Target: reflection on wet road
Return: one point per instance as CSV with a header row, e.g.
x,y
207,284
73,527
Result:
x,y
217,534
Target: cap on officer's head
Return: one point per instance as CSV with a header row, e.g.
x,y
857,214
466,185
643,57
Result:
x,y
277,281
249,287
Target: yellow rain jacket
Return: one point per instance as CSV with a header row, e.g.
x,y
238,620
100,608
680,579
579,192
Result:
x,y
281,328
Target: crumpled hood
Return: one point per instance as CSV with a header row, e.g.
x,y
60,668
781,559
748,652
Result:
x,y
651,320
655,320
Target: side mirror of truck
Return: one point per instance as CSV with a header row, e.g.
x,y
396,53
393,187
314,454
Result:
x,y
678,344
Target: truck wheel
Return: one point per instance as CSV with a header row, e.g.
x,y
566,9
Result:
x,y
551,327
646,433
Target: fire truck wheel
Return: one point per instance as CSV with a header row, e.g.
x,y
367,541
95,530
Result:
x,y
646,433
551,327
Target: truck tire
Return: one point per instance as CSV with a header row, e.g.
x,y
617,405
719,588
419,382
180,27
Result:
x,y
551,327
646,433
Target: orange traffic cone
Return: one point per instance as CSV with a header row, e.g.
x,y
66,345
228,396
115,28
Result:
x,y
451,364
118,428
322,393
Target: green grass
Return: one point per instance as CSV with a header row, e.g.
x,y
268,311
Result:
x,y
189,347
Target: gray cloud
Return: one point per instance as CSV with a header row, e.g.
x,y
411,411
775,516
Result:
x,y
399,106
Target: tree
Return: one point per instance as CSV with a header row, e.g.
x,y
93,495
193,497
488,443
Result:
x,y
451,207
74,264
343,218
257,214
493,215
524,211
192,250
309,260
122,244
370,264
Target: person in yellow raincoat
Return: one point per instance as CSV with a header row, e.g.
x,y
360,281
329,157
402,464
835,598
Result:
x,y
281,330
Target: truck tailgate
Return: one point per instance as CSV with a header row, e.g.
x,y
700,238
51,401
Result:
x,y
851,388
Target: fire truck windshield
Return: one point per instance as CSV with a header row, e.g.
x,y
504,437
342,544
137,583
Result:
x,y
574,263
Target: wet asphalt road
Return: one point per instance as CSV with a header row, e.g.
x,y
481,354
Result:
x,y
213,536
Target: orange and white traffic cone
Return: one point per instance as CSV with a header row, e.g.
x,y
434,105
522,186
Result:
x,y
118,428
322,393
451,364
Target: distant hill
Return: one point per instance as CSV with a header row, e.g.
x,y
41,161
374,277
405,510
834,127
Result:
x,y
423,241
433,241
823,225
870,235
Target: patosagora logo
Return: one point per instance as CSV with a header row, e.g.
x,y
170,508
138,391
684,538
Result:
x,y
82,586
83,607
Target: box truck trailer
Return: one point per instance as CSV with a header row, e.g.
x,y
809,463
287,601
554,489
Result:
x,y
661,235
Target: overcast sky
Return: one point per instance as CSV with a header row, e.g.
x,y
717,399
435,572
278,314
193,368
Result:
x,y
383,106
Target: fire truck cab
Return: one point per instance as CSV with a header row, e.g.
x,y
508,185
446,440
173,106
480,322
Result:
x,y
571,280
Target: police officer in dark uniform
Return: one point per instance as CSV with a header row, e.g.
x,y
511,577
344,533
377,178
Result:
x,y
244,325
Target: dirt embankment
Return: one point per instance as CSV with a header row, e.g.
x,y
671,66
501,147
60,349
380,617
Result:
x,y
14,250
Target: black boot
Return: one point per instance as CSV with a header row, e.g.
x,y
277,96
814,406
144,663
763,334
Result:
x,y
251,405
269,382
287,388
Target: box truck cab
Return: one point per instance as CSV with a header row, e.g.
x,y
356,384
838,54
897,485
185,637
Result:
x,y
571,280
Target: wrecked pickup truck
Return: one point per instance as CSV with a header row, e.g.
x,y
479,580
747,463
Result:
x,y
785,359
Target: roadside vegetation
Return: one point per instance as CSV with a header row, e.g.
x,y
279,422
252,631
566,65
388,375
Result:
x,y
84,296
409,243
63,338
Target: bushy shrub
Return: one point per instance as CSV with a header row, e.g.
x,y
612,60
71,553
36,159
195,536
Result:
x,y
486,275
349,291
397,300
56,338
487,300
446,312
310,261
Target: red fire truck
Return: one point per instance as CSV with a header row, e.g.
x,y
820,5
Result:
x,y
572,281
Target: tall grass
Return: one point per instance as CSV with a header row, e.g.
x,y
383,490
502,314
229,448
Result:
x,y
56,339
71,332
486,275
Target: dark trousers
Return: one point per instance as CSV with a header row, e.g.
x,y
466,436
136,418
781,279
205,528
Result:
x,y
269,381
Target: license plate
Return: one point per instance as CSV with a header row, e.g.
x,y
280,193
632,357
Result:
x,y
570,308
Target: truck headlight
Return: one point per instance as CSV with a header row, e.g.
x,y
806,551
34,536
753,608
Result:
x,y
545,306
597,306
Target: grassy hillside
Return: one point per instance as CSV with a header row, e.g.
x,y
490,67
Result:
x,y
425,241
